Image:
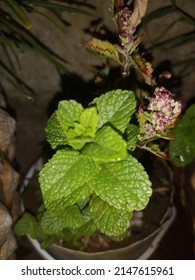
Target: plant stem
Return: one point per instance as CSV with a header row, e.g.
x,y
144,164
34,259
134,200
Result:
x,y
119,4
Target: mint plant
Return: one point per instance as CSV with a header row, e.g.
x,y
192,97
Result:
x,y
92,182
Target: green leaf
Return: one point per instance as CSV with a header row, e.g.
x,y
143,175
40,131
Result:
x,y
47,242
108,146
182,148
54,132
116,107
21,15
79,196
68,112
108,219
40,212
132,136
87,229
69,237
83,131
28,225
89,226
72,125
123,184
62,176
71,217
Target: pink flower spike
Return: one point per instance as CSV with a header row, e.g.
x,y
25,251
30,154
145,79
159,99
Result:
x,y
164,111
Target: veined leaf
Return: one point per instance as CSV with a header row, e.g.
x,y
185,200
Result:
x,y
116,108
108,219
154,149
71,217
123,184
79,196
28,225
62,176
182,148
103,47
54,132
83,131
108,146
132,136
68,112
145,68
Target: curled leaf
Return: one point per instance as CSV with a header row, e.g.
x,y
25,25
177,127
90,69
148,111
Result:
x,y
103,47
138,13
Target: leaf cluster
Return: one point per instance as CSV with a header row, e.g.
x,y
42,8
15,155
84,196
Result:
x,y
92,182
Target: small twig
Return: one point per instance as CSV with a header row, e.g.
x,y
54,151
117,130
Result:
x,y
119,4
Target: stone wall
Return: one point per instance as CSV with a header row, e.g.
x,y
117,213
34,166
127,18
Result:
x,y
9,178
